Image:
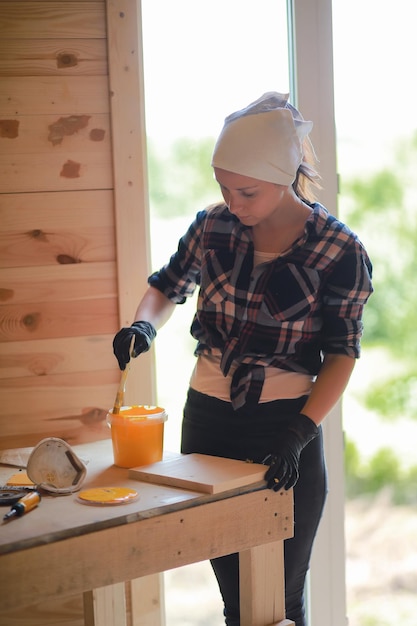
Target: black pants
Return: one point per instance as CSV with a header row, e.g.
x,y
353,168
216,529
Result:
x,y
211,426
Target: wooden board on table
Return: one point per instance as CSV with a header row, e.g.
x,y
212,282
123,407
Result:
x,y
200,472
17,457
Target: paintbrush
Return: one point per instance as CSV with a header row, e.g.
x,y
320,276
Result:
x,y
120,396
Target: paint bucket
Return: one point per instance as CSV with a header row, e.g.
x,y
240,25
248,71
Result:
x,y
137,434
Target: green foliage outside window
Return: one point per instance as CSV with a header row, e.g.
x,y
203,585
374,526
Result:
x,y
382,207
382,472
181,180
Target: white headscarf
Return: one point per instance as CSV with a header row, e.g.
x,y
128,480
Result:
x,y
263,140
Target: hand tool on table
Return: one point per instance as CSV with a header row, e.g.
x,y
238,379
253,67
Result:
x,y
24,505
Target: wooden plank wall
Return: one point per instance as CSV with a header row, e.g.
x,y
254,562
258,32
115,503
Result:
x,y
74,232
59,303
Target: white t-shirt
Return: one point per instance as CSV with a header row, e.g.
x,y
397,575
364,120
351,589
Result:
x,y
279,384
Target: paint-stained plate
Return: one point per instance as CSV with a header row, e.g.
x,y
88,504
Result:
x,y
108,495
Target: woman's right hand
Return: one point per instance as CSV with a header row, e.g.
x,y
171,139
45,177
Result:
x,y
143,332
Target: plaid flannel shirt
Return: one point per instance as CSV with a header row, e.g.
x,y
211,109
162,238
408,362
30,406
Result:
x,y
286,313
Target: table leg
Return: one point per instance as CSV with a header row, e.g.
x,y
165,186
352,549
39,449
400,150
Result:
x,y
147,600
262,590
105,606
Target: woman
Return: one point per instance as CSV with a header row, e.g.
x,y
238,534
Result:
x,y
282,286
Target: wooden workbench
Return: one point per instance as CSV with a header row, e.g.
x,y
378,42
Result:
x,y
64,547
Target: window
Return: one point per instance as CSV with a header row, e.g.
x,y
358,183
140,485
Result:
x,y
203,60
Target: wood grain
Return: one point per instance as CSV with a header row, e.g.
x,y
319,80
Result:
x,y
69,552
71,406
53,612
53,65
57,135
20,359
53,95
126,78
42,246
45,152
57,209
200,472
53,57
46,172
261,577
156,524
51,20
46,320
39,229
80,281
144,547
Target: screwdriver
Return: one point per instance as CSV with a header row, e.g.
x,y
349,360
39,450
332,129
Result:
x,y
24,505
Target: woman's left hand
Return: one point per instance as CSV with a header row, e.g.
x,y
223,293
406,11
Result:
x,y
283,461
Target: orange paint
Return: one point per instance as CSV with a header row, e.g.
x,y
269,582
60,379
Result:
x,y
108,495
137,435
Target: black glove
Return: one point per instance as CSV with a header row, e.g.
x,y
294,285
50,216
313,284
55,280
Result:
x,y
284,460
143,332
